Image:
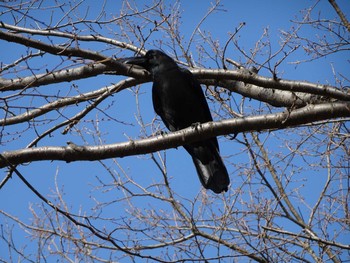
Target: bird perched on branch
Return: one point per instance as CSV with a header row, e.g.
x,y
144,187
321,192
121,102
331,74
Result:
x,y
180,102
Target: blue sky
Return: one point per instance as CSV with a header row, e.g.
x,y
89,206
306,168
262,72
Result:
x,y
78,181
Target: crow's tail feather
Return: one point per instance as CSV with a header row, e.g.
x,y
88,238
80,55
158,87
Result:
x,y
212,173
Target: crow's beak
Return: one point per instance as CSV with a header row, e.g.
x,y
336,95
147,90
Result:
x,y
138,61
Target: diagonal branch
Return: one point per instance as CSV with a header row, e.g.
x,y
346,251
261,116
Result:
x,y
312,238
340,14
57,104
50,32
281,120
52,49
65,51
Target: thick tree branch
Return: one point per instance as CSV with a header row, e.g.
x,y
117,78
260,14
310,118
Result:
x,y
271,83
65,75
237,75
66,51
274,97
281,120
340,14
298,92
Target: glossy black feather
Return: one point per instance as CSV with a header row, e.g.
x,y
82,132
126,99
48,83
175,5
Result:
x,y
180,102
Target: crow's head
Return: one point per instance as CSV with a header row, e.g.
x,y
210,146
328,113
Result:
x,y
154,61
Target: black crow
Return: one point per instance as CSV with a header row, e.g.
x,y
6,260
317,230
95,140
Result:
x,y
179,100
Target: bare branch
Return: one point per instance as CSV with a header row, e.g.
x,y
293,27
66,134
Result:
x,y
282,120
340,14
63,75
106,91
289,85
64,50
51,32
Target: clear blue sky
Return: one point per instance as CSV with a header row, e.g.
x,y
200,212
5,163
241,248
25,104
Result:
x,y
77,180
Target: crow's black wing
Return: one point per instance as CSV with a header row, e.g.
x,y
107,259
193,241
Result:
x,y
179,100
200,101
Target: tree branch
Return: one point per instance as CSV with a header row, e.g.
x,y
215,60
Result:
x,y
64,75
274,97
222,75
57,33
29,115
312,238
271,83
281,120
340,14
66,51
